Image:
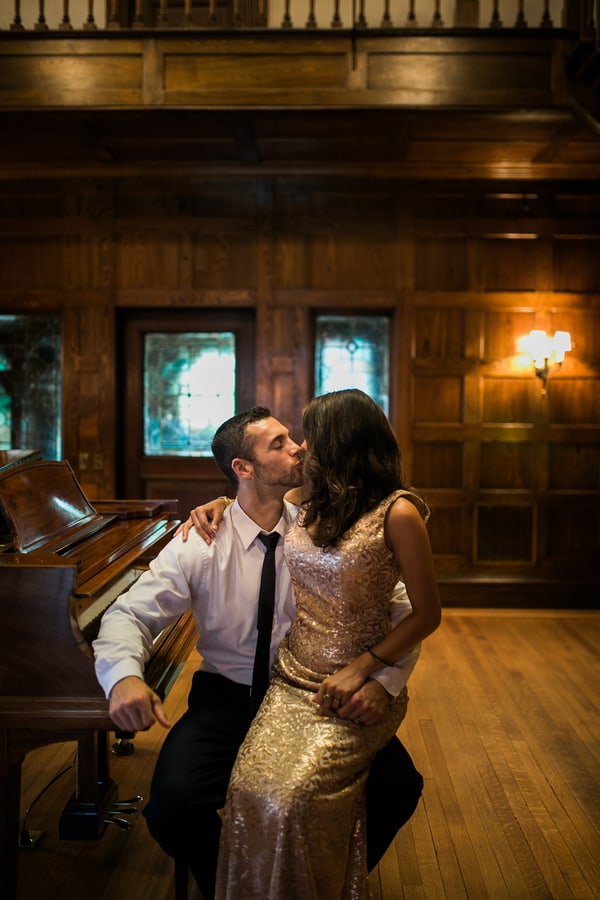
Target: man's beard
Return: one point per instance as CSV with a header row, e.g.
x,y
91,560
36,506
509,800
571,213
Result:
x,y
268,478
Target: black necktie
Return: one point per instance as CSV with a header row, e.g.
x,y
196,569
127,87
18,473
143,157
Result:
x,y
264,622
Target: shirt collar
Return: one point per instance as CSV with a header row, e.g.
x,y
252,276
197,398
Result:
x,y
247,528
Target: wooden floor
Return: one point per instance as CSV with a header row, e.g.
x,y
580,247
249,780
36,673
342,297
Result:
x,y
504,724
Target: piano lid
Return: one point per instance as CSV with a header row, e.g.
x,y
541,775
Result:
x,y
65,518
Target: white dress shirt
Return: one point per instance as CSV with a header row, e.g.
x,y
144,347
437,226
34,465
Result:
x,y
220,584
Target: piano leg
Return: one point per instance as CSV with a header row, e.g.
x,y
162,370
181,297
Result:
x,y
85,816
10,799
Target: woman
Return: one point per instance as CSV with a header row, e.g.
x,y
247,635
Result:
x,y
293,825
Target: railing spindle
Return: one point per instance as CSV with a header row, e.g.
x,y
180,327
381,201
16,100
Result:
x,y
361,22
386,19
163,15
495,21
546,20
336,22
311,22
138,16
90,24
588,16
286,22
437,21
17,22
411,19
113,16
521,20
40,25
65,22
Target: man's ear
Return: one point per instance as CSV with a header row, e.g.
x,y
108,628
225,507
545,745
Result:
x,y
242,468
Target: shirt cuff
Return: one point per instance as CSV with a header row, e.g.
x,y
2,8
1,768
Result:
x,y
109,675
394,678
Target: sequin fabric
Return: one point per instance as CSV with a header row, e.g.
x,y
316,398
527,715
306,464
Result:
x,y
293,826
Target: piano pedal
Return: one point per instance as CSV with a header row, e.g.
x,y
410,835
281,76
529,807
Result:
x,y
28,840
123,824
125,807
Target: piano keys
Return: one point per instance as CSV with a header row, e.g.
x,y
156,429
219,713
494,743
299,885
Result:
x,y
63,561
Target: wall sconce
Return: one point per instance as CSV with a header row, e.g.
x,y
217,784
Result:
x,y
547,352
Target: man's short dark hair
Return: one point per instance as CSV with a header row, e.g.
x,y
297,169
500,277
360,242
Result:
x,y
231,441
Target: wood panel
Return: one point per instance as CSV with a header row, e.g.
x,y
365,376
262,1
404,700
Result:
x,y
257,69
506,513
462,269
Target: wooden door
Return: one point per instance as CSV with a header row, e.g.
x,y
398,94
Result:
x,y
155,472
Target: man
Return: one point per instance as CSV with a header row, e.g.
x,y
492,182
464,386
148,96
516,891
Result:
x,y
220,583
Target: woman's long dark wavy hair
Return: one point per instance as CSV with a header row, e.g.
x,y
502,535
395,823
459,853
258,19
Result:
x,y
352,462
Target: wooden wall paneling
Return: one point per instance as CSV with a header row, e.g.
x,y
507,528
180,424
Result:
x,y
507,465
577,262
441,262
439,333
438,464
545,260
450,262
263,252
506,400
574,401
290,369
90,372
97,393
77,453
502,330
573,537
510,262
473,352
574,461
402,327
148,255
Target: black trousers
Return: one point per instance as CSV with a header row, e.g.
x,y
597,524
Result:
x,y
194,766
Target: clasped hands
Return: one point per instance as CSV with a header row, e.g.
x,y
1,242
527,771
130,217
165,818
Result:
x,y
365,704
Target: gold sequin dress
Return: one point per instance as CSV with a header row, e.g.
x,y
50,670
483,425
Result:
x,y
293,825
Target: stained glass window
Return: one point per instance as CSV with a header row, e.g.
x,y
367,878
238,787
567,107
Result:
x,y
30,384
353,352
189,389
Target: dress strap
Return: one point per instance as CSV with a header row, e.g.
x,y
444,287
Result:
x,y
414,499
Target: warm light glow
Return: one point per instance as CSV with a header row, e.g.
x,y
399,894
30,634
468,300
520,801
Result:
x,y
562,343
546,352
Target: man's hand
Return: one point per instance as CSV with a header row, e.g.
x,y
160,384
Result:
x,y
133,706
205,519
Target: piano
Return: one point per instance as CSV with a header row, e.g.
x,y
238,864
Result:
x,y
63,561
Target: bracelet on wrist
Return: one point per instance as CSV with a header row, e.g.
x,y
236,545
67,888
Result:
x,y
383,662
227,500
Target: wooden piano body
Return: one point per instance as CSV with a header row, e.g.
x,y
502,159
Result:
x,y
62,562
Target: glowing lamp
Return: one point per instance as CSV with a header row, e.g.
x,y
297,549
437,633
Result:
x,y
547,353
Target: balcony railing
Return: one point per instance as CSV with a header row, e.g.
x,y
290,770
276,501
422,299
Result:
x,y
93,15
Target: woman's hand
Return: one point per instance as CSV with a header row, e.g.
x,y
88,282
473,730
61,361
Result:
x,y
205,519
337,689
